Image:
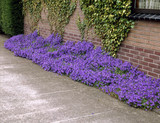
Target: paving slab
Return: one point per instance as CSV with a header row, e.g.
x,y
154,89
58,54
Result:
x,y
28,94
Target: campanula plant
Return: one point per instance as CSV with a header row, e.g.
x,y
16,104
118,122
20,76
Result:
x,y
91,66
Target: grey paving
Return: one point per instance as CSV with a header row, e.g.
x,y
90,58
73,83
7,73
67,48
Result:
x,y
28,94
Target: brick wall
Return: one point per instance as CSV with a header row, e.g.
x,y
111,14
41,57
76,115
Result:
x,y
72,32
141,47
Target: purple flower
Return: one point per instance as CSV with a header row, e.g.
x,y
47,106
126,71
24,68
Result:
x,y
93,67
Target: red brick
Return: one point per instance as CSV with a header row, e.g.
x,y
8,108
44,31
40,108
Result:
x,y
71,34
129,55
121,53
148,60
156,71
148,51
133,60
125,50
154,57
124,58
134,52
140,32
153,65
143,63
139,49
78,39
67,36
73,38
138,57
139,36
153,74
157,62
144,54
129,47
77,35
157,53
147,68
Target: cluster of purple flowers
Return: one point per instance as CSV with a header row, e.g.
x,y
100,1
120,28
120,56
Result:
x,y
92,66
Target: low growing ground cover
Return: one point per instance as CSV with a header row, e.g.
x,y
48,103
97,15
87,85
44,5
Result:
x,y
92,66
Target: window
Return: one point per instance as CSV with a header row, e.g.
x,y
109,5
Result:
x,y
146,9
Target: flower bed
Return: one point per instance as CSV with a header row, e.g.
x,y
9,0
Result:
x,y
92,66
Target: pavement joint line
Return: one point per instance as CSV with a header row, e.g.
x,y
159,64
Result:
x,y
35,112
38,77
15,63
31,78
30,84
46,93
75,118
12,63
56,92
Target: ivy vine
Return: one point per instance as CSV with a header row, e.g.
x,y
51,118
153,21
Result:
x,y
109,18
33,8
59,12
81,26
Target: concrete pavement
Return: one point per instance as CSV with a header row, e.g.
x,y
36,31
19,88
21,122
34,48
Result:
x,y
28,94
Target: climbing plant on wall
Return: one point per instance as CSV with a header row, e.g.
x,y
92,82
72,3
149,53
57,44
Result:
x,y
33,8
59,12
81,26
109,18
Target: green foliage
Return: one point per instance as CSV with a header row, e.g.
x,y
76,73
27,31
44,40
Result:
x,y
81,26
59,12
46,45
33,8
118,71
52,50
11,18
0,16
109,18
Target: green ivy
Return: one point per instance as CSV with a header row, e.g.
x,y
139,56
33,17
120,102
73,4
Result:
x,y
109,18
81,26
59,12
33,8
